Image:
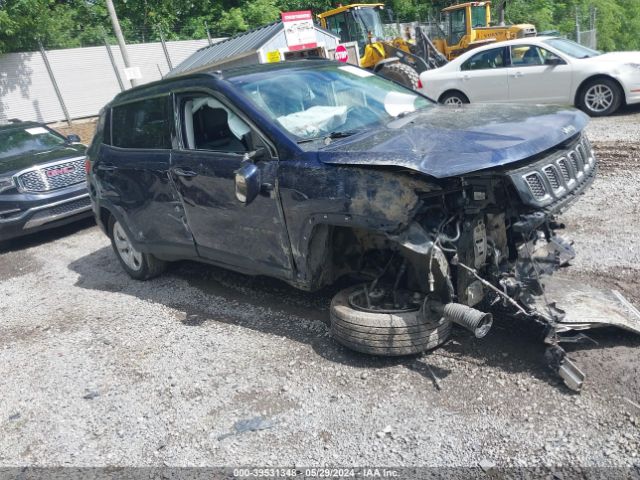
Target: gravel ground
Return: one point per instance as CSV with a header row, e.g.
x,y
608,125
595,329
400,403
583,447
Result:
x,y
97,369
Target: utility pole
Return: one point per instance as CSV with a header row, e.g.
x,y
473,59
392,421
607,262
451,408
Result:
x,y
501,8
118,31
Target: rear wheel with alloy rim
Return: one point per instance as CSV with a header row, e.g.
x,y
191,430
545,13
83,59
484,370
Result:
x,y
454,98
600,97
139,265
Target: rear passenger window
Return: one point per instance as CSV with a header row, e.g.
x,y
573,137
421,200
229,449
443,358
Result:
x,y
487,59
143,124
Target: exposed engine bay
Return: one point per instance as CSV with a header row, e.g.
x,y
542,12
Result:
x,y
487,244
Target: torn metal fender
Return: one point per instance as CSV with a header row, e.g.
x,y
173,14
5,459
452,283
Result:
x,y
414,238
429,261
585,306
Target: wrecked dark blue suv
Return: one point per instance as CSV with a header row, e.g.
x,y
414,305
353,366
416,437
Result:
x,y
310,171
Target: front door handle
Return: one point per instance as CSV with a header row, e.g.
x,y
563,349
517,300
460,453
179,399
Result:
x,y
517,75
107,167
183,172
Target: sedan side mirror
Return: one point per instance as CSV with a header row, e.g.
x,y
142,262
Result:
x,y
73,138
247,182
554,61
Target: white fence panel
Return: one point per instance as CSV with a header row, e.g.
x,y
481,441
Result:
x,y
85,77
26,90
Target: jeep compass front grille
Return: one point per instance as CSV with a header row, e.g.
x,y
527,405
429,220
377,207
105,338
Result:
x,y
535,185
52,176
556,177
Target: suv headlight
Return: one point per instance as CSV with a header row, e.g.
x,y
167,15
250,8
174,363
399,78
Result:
x,y
6,183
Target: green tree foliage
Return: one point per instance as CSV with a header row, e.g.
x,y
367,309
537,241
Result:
x,y
74,23
617,21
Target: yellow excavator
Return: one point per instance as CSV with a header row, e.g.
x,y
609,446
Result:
x,y
466,26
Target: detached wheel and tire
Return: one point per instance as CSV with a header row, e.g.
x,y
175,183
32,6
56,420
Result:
x,y
454,98
384,332
600,97
140,266
401,73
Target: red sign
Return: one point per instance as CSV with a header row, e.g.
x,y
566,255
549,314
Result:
x,y
299,30
296,16
341,54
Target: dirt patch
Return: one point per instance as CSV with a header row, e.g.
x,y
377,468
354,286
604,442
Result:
x,y
84,128
616,156
20,263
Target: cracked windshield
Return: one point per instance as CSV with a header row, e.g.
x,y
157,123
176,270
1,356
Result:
x,y
322,101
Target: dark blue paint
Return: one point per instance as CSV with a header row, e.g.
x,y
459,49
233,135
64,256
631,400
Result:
x,y
313,184
444,141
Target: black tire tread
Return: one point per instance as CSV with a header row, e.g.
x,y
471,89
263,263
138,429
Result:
x,y
397,70
383,334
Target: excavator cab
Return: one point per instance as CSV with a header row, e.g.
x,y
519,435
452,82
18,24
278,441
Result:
x,y
460,19
468,25
359,23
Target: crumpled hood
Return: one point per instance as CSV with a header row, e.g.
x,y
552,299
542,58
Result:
x,y
445,141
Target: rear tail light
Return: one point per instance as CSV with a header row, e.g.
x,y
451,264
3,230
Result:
x,y
87,166
419,83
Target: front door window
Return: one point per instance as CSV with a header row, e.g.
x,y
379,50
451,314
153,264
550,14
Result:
x,y
210,125
494,58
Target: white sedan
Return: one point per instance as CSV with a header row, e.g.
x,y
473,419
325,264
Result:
x,y
538,70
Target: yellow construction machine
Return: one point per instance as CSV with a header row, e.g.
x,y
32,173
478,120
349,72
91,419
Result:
x,y
466,26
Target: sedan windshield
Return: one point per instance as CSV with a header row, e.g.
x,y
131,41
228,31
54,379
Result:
x,y
20,141
328,100
571,48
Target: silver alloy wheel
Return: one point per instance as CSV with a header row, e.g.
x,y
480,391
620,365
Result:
x,y
129,255
453,101
599,98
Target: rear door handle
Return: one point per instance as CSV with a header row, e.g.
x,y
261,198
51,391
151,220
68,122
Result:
x,y
107,167
517,75
183,172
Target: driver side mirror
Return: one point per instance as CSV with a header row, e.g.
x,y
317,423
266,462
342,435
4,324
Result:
x,y
73,138
553,61
247,182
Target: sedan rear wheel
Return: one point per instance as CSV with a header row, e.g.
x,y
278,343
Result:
x,y
454,98
600,97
